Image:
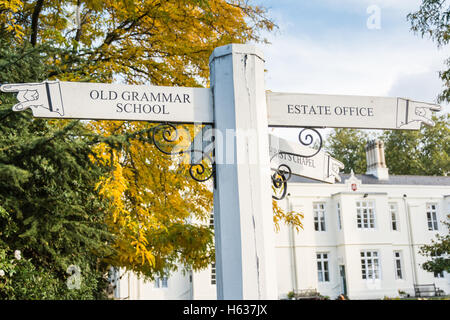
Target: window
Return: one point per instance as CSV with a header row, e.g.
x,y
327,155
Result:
x,y
213,273
114,280
435,257
398,265
394,219
365,214
211,221
370,267
439,274
432,216
319,216
322,267
339,216
161,282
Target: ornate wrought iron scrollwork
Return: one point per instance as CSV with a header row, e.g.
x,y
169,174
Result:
x,y
168,139
308,137
283,173
279,180
200,171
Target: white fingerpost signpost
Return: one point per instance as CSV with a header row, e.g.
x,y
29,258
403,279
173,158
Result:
x,y
240,110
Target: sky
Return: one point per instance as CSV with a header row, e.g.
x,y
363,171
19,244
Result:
x,y
351,47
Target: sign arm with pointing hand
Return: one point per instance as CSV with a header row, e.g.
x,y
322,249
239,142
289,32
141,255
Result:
x,y
415,111
46,95
106,101
342,111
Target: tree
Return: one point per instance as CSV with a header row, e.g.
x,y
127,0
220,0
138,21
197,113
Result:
x,y
423,152
433,20
438,252
8,23
348,146
49,211
139,42
407,152
156,206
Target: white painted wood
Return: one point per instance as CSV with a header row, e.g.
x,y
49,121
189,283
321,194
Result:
x,y
321,167
244,233
105,101
342,111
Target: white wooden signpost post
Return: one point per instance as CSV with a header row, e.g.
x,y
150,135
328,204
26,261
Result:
x,y
236,105
242,200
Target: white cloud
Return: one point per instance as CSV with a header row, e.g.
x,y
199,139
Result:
x,y
350,66
404,5
388,62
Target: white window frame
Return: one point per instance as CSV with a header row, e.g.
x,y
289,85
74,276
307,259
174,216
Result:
x,y
370,265
211,220
319,216
365,220
439,275
393,210
398,265
323,266
161,282
213,274
338,208
432,216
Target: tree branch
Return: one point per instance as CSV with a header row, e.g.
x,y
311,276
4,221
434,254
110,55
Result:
x,y
34,21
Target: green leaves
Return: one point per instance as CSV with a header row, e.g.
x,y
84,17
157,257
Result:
x,y
347,145
423,152
432,20
49,205
438,252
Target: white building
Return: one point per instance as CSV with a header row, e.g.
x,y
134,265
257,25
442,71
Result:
x,y
361,238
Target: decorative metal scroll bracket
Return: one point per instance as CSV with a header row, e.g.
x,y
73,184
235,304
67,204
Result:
x,y
283,173
175,140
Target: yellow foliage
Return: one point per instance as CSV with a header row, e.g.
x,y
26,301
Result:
x,y
290,218
161,42
156,207
152,198
8,22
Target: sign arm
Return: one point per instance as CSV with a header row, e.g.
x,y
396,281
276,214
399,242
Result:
x,y
344,111
283,172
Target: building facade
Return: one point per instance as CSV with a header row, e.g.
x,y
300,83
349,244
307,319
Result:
x,y
361,238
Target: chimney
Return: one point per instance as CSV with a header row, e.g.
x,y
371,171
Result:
x,y
376,164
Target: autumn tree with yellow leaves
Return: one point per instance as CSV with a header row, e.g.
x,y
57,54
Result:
x,y
156,207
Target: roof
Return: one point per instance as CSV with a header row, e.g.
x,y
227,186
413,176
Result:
x,y
393,180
